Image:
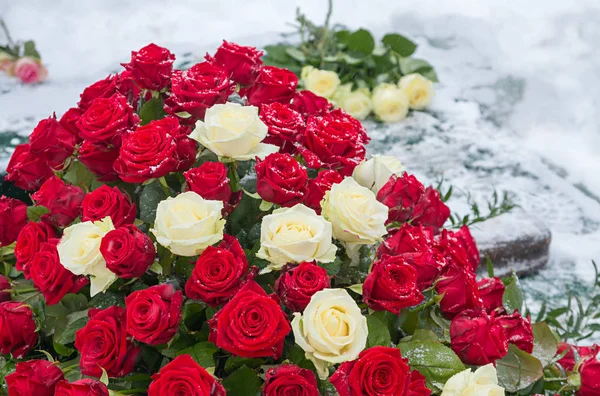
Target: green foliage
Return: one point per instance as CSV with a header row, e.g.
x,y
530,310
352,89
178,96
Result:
x,y
513,299
518,369
379,333
35,212
152,110
242,382
202,353
545,343
151,195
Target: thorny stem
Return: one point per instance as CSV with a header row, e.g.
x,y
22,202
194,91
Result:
x,y
6,32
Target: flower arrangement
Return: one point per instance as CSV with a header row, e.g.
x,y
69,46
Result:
x,y
21,60
215,231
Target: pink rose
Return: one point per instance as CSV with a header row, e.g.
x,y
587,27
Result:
x,y
29,70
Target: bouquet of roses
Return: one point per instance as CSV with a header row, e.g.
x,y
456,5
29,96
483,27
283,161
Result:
x,y
213,231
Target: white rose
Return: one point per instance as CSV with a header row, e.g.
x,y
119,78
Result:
x,y
418,90
390,104
483,382
294,235
79,252
331,329
234,131
356,215
188,223
357,103
321,82
374,173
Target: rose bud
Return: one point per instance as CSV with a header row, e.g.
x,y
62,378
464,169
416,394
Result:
x,y
82,387
69,122
273,84
466,240
4,285
62,200
285,125
219,273
153,314
459,247
128,252
401,194
307,103
242,63
99,161
29,70
568,361
518,330
17,329
590,377
459,287
280,179
26,170
391,285
28,244
106,120
478,338
198,88
13,217
50,277
34,377
183,376
296,284
53,142
108,201
491,291
317,187
430,211
251,325
210,181
289,379
151,67
103,344
104,88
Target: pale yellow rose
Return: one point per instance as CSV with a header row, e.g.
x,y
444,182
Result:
x,y
357,103
482,382
374,173
331,329
188,224
233,131
294,235
320,82
418,89
390,104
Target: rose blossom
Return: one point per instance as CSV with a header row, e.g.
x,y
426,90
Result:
x,y
34,377
568,360
289,379
128,251
210,181
400,194
31,237
243,63
62,200
459,287
13,217
285,125
430,210
50,140
478,338
273,84
4,285
18,333
29,70
69,120
491,291
297,284
518,330
151,67
183,376
108,201
82,387
99,160
375,172
590,377
317,187
307,103
280,179
27,170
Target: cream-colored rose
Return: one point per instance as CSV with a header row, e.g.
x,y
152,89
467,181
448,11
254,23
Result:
x,y
354,212
188,223
374,173
418,90
331,329
233,131
79,252
483,382
320,82
390,104
294,235
357,103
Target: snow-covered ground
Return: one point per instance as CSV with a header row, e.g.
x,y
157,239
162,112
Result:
x,y
516,108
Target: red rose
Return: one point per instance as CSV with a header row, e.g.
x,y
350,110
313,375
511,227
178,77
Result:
x,y
377,371
307,103
280,179
69,121
518,331
459,287
317,187
430,210
289,379
146,153
391,285
82,387
418,385
568,361
62,200
285,125
210,181
13,217
31,237
53,142
198,88
17,329
478,338
401,194
219,273
454,248
108,201
296,284
183,376
250,325
34,377
151,67
104,88
153,314
491,291
50,277
590,378
242,63
273,84
106,120
103,344
4,285
128,252
27,170
186,148
99,160
465,238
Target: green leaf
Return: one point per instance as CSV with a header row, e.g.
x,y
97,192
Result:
x,y
65,331
63,350
150,197
242,382
358,288
434,360
151,110
518,369
235,362
296,54
277,53
265,206
35,212
332,268
545,343
30,50
104,377
202,353
379,334
79,175
399,44
513,295
360,43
